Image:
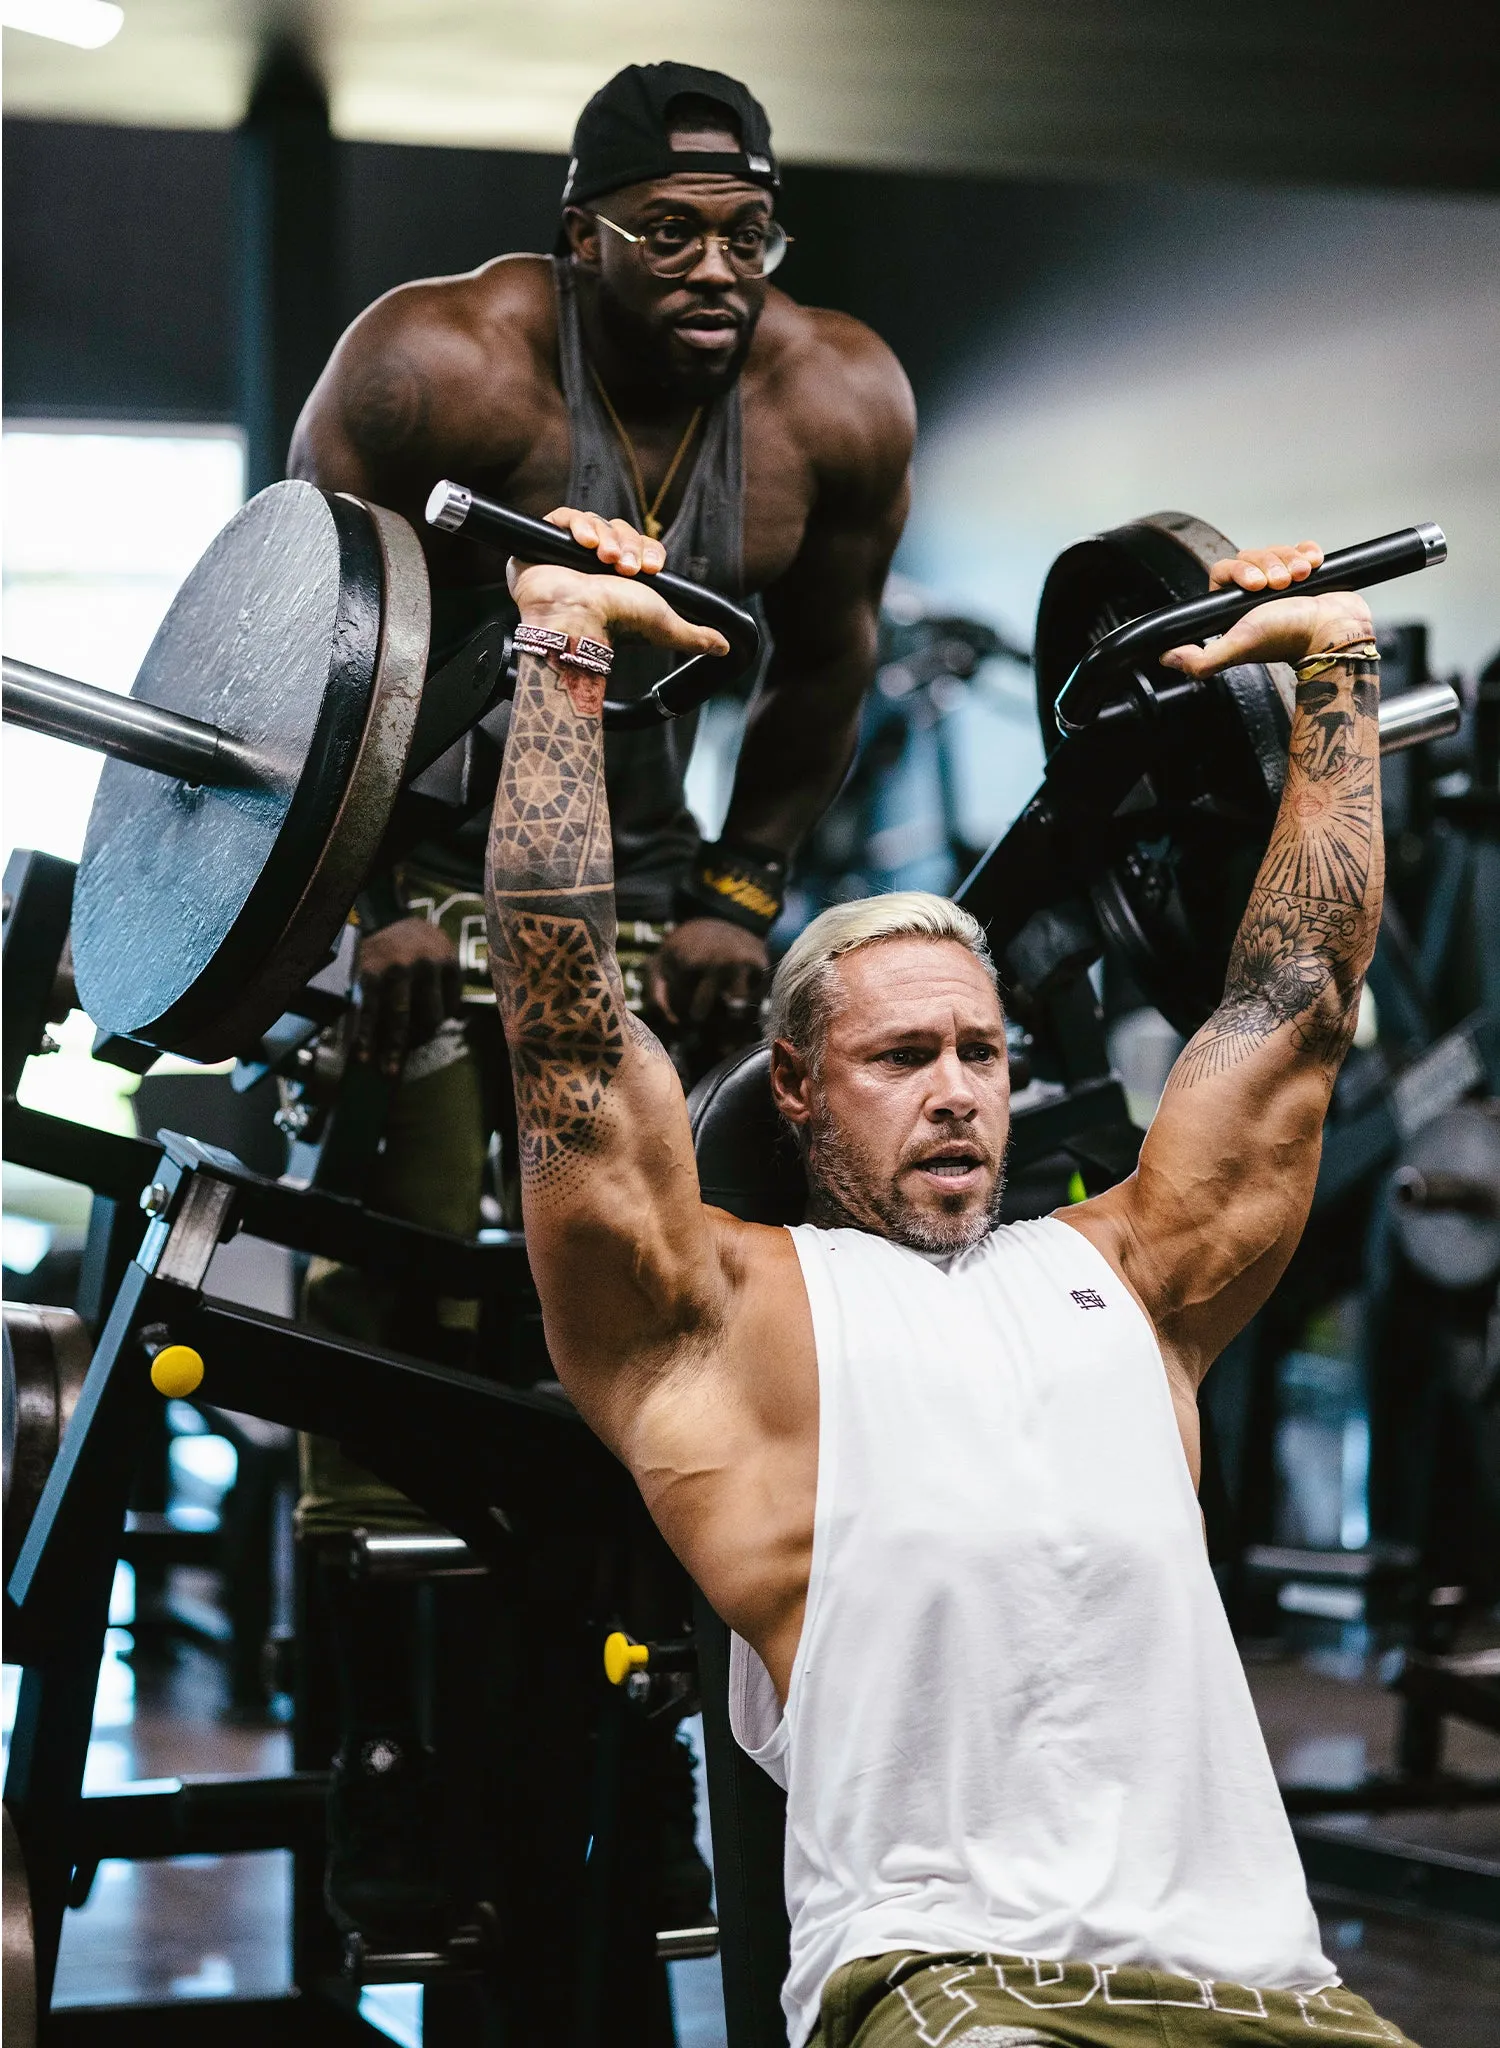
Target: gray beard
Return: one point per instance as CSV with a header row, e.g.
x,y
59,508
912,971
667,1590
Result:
x,y
842,1195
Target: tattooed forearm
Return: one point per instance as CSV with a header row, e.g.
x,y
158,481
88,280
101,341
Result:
x,y
550,899
1305,941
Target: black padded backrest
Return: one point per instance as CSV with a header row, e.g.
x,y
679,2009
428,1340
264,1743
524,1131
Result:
x,y
747,1160
747,1164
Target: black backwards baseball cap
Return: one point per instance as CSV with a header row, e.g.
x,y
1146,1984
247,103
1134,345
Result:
x,y
622,134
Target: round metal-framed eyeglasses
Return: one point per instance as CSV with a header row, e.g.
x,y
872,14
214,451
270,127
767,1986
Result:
x,y
674,247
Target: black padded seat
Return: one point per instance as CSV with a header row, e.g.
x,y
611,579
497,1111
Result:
x,y
747,1164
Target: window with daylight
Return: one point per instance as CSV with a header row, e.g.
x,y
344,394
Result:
x,y
102,523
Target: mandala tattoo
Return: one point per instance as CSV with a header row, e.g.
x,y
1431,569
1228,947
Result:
x,y
1299,957
563,1012
550,901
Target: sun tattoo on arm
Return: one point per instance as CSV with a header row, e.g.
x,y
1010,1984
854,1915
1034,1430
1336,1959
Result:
x,y
1300,954
549,896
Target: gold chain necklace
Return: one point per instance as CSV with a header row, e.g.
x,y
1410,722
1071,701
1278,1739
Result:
x,y
650,524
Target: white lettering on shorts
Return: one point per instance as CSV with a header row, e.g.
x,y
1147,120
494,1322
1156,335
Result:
x,y
1194,1992
1198,1994
1228,1997
1049,1981
1320,2011
474,945
947,1979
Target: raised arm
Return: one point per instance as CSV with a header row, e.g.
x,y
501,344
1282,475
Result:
x,y
619,1242
682,1335
1204,1228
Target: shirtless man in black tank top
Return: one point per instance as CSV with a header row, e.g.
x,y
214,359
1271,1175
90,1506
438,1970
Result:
x,y
461,377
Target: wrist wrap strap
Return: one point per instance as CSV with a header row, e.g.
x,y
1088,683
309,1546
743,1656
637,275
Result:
x,y
744,888
565,650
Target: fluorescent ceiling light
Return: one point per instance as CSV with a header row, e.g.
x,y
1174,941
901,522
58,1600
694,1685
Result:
x,y
87,23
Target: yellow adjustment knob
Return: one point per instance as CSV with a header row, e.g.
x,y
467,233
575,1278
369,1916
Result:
x,y
622,1656
177,1371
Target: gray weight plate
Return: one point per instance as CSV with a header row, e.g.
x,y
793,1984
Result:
x,y
1445,1198
184,895
1172,903
372,785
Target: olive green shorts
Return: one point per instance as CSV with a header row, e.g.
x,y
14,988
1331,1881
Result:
x,y
903,2000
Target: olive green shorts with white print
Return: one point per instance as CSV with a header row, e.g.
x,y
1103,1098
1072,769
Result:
x,y
906,2000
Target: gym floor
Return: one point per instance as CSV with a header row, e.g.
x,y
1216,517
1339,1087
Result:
x,y
217,1926
1329,1721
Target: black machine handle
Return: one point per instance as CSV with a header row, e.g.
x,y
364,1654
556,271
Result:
x,y
454,509
1087,689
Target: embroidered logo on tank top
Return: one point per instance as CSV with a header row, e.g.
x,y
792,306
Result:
x,y
1086,1297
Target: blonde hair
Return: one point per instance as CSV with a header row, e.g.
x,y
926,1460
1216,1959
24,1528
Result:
x,y
802,988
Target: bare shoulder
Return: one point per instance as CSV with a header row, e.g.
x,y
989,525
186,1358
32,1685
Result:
x,y
1106,1221
1145,1250
843,387
756,1259
764,1339
724,1447
432,362
506,304
739,1372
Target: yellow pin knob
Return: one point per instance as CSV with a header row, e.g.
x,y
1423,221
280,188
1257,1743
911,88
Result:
x,y
177,1371
622,1656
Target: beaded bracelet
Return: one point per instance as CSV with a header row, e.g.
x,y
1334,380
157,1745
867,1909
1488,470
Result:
x,y
565,650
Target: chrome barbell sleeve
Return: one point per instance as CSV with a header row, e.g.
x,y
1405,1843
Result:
x,y
147,735
1430,712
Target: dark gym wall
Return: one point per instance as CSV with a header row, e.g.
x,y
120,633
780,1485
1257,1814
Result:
x,y
120,286
118,272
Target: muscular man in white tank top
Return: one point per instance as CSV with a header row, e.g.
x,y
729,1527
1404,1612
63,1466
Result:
x,y
939,1476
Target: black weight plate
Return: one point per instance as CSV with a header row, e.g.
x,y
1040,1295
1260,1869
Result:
x,y
370,791
183,892
19,1975
47,1358
1173,901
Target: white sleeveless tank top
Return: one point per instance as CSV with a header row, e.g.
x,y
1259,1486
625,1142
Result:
x,y
1017,1719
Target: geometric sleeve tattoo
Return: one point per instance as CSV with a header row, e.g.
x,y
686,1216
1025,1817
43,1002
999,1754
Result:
x,y
1304,942
549,896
